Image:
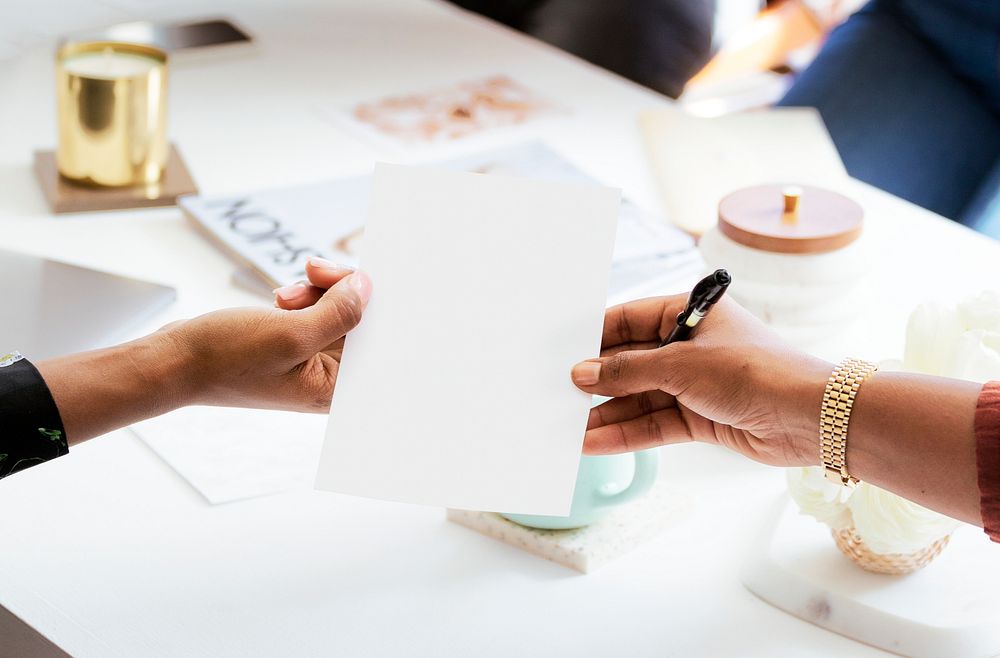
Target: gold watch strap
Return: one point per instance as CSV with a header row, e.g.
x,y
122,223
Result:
x,y
838,400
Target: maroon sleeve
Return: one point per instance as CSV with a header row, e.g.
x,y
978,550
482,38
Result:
x,y
988,457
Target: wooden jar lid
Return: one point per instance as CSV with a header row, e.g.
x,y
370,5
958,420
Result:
x,y
790,219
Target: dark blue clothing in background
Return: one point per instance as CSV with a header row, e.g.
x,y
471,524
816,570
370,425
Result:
x,y
910,91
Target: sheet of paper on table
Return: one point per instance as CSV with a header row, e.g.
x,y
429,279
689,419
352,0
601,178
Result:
x,y
699,160
454,390
231,454
445,114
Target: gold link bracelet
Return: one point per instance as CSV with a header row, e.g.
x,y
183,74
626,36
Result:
x,y
838,399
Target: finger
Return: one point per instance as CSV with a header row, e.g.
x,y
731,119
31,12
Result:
x,y
171,325
642,320
334,350
335,346
629,347
649,431
336,312
296,296
323,273
631,372
335,354
618,410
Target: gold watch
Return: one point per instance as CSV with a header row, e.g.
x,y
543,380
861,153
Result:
x,y
834,415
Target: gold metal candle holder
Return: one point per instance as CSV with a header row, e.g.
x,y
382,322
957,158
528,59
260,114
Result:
x,y
112,107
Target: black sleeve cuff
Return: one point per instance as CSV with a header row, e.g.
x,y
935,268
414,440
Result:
x,y
31,430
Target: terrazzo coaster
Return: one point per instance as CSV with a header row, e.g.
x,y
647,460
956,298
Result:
x,y
64,196
589,548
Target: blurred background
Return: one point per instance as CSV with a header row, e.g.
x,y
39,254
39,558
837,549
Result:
x,y
908,90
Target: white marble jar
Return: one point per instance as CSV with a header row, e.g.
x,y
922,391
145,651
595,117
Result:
x,y
795,255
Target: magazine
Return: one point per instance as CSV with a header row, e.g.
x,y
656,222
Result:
x,y
274,232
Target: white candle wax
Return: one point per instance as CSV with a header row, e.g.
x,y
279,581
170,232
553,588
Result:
x,y
108,64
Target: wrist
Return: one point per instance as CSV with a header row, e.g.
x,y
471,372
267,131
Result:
x,y
102,390
804,397
166,365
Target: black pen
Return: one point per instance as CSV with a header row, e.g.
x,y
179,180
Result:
x,y
703,297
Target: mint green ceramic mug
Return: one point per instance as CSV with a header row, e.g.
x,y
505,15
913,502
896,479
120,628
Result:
x,y
601,484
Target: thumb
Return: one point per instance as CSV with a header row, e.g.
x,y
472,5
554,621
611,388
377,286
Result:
x,y
339,309
629,372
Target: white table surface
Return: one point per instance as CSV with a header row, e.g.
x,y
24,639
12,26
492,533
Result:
x,y
108,552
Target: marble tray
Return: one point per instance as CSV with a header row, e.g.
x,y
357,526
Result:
x,y
950,608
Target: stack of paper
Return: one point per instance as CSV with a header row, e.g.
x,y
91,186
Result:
x,y
231,454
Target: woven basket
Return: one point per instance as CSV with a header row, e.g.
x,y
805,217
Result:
x,y
851,545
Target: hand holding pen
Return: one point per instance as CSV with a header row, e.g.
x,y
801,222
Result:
x,y
732,382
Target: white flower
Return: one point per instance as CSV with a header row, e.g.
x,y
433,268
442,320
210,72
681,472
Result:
x,y
818,497
890,524
932,336
981,312
977,356
962,342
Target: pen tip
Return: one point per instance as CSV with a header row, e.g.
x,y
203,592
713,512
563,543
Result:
x,y
722,277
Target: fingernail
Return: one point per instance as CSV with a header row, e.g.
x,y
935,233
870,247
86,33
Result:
x,y
289,293
317,261
361,284
587,373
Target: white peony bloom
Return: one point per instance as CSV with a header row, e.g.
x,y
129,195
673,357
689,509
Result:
x,y
818,497
932,336
977,356
962,342
890,524
981,312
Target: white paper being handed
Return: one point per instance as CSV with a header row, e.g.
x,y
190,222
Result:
x,y
455,388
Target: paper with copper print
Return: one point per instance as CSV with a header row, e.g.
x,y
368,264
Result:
x,y
448,114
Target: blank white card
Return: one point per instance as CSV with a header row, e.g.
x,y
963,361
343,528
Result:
x,y
455,389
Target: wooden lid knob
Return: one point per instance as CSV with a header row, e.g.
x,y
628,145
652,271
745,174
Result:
x,y
790,219
792,194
